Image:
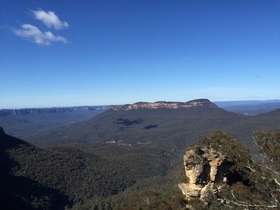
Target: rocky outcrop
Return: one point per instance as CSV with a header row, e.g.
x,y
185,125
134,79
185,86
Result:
x,y
205,173
167,105
211,166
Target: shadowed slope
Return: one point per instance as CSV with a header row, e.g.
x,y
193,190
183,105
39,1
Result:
x,y
17,192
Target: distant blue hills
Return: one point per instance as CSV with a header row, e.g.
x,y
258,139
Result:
x,y
250,107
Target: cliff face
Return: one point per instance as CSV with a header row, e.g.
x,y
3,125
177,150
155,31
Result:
x,y
167,105
206,171
217,163
9,112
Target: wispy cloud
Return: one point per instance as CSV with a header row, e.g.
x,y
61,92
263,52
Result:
x,y
50,19
36,35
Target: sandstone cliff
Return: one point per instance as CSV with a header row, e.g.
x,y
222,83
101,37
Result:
x,y
220,173
205,170
167,105
30,111
212,166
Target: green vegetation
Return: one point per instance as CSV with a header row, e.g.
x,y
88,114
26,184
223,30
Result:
x,y
104,176
253,181
112,177
237,155
85,172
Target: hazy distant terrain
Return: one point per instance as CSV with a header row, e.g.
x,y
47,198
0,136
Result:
x,y
25,122
249,107
21,122
160,127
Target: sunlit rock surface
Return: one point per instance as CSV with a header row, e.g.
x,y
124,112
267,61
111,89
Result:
x,y
167,105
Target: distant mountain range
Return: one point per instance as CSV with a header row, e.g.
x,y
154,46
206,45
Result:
x,y
28,122
20,122
249,107
160,123
8,112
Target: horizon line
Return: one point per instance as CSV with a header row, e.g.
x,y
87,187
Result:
x,y
75,106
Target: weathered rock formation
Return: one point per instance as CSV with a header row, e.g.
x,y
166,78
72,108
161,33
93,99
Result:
x,y
211,166
167,105
205,172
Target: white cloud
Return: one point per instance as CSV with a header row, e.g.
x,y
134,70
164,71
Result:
x,y
50,19
36,35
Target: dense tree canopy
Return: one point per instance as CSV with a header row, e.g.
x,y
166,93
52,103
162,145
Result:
x,y
115,177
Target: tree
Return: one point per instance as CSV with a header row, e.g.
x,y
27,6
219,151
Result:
x,y
263,190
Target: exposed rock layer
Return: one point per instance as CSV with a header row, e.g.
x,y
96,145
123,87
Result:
x,y
204,172
9,112
214,167
208,168
167,105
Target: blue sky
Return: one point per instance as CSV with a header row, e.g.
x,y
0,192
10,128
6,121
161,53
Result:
x,y
97,52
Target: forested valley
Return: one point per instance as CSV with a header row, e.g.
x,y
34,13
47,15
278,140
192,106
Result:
x,y
133,159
